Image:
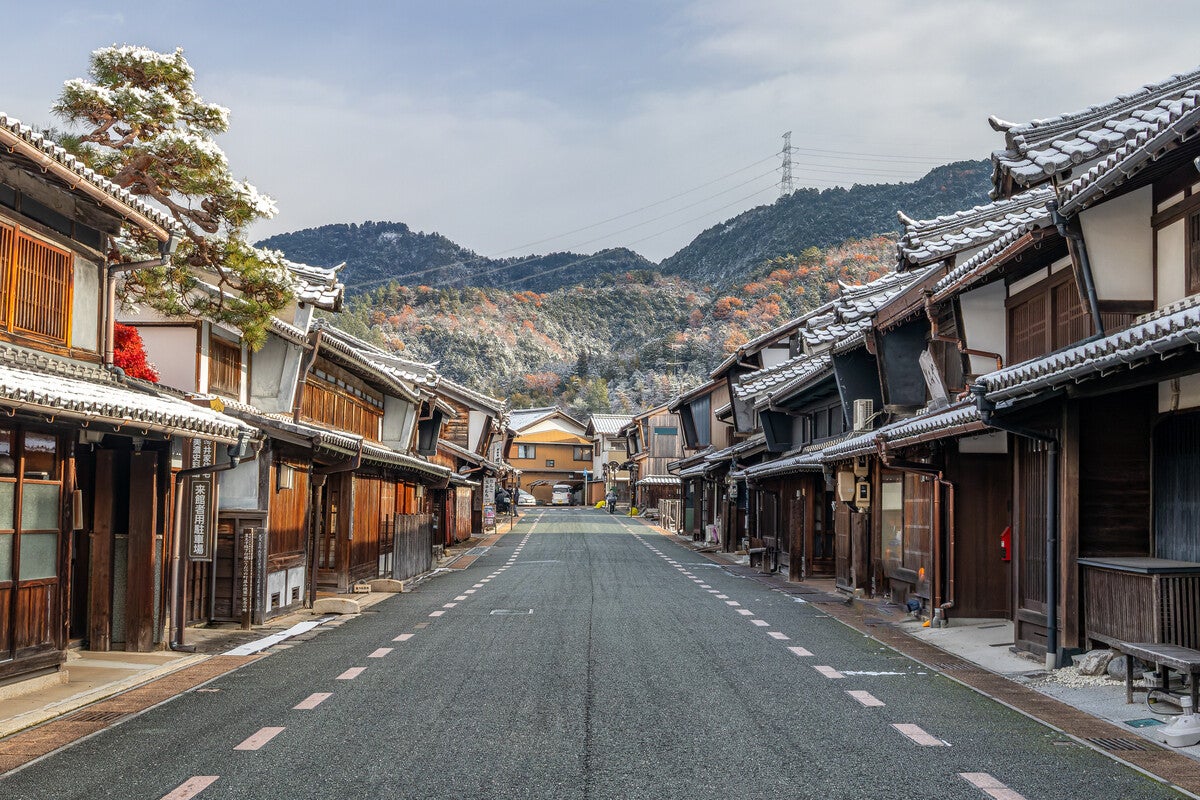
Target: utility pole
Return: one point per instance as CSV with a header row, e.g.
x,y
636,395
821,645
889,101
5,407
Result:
x,y
785,182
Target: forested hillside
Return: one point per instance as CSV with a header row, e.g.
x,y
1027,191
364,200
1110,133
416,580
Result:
x,y
624,343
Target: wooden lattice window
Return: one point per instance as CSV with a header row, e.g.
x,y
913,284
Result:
x,y
325,404
37,287
224,368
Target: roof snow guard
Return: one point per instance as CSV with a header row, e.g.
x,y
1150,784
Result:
x,y
928,241
798,368
1160,334
34,382
17,137
1043,149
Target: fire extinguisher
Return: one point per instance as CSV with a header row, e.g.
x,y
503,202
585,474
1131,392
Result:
x,y
1006,544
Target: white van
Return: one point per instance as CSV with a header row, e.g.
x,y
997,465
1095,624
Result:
x,y
561,496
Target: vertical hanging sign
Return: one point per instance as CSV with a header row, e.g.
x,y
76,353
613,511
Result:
x,y
199,506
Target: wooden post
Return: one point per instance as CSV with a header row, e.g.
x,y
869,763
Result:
x,y
99,616
1068,545
140,578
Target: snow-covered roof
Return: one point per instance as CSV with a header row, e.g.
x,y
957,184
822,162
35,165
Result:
x,y
1043,149
608,424
853,310
317,286
1154,336
458,390
33,381
370,360
659,480
463,452
50,156
980,264
927,241
761,382
520,418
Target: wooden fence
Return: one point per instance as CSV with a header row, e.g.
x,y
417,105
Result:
x,y
412,544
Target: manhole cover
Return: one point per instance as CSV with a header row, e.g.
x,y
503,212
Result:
x,y
98,716
1117,744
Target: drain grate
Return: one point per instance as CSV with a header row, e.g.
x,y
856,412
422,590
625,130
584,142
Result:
x,y
98,716
1119,744
955,666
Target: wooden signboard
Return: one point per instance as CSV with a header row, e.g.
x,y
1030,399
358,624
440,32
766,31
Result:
x,y
200,505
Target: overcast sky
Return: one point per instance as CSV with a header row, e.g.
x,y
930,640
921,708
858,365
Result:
x,y
505,125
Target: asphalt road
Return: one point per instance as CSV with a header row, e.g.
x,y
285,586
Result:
x,y
584,656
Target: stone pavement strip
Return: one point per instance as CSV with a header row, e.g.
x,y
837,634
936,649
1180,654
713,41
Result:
x,y
28,745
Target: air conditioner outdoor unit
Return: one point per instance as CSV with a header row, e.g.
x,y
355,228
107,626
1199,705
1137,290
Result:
x,y
863,411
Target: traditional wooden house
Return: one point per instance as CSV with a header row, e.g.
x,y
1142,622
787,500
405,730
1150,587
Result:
x,y
88,534
709,512
652,441
466,444
610,464
549,447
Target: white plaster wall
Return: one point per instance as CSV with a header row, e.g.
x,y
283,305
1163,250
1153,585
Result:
x,y
554,424
85,310
1120,245
399,416
995,442
475,422
984,323
1020,285
273,376
238,487
172,350
1172,263
774,356
1188,388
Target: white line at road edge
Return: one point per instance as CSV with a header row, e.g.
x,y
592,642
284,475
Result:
x,y
250,648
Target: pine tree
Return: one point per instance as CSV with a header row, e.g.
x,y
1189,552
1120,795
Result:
x,y
144,127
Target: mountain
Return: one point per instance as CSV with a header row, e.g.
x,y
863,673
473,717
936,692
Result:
x,y
726,252
377,253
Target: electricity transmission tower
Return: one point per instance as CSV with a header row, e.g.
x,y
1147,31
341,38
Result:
x,y
785,182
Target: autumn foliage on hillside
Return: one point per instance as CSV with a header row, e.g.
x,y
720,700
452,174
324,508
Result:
x,y
623,343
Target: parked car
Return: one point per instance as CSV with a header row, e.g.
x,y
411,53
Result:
x,y
562,495
524,498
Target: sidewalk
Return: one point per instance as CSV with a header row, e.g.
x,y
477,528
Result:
x,y
90,677
979,654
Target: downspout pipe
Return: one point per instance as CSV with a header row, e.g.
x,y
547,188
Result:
x,y
1070,230
987,410
943,601
110,290
238,454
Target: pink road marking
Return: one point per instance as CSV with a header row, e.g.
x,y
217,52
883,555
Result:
x,y
191,787
380,653
866,698
351,673
404,637
437,613
829,672
449,605
461,597
990,786
257,740
919,736
777,635
800,651
312,701
745,612
762,623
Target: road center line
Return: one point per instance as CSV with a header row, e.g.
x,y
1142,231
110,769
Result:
x,y
732,603
312,701
762,623
988,785
866,698
745,612
437,613
257,740
800,651
919,736
351,673
449,605
404,637
191,787
380,653
777,635
722,597
829,672
461,597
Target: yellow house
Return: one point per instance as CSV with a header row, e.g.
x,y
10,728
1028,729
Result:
x,y
549,450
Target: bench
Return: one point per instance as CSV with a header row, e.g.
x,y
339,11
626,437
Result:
x,y
1166,658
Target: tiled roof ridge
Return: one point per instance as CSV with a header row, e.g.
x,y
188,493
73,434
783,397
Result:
x,y
75,165
980,261
995,210
975,228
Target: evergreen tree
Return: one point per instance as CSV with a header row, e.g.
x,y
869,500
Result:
x,y
145,128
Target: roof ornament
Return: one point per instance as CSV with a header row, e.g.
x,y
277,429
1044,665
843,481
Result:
x,y
1000,125
905,219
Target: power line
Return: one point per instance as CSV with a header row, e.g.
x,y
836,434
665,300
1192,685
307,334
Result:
x,y
785,183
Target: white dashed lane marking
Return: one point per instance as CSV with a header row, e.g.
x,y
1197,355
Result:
x,y
257,740
800,651
745,612
437,613
312,701
404,637
762,623
380,653
351,673
461,597
777,635
829,672
919,736
990,786
191,787
866,698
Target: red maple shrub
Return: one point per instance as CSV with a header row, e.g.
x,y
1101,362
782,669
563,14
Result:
x,y
129,353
